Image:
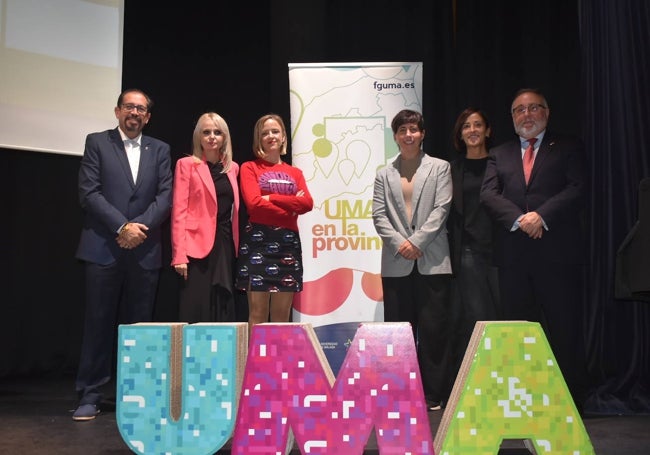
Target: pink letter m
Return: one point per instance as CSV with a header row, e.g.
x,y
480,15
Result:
x,y
288,384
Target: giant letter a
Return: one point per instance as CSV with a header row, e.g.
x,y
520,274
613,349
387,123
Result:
x,y
510,387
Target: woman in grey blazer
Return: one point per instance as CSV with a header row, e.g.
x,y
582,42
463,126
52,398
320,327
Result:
x,y
410,205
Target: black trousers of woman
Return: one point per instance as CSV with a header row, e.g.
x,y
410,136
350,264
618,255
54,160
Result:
x,y
475,297
423,300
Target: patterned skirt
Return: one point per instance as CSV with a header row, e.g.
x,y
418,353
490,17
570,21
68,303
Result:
x,y
270,259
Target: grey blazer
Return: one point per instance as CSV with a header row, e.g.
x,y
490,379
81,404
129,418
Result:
x,y
432,192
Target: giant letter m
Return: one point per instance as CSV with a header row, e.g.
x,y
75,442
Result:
x,y
289,384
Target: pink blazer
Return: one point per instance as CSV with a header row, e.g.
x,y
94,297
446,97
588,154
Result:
x,y
194,210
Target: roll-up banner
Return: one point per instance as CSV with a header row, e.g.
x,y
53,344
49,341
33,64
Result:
x,y
340,136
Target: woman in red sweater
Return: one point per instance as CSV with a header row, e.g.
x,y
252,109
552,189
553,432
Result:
x,y
269,266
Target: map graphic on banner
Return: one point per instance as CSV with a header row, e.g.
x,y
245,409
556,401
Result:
x,y
340,136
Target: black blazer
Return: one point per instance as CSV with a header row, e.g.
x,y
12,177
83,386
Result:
x,y
457,214
556,191
110,197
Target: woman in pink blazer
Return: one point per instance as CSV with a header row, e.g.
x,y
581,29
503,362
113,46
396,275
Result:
x,y
205,224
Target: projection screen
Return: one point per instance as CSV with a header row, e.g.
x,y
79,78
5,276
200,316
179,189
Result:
x,y
60,72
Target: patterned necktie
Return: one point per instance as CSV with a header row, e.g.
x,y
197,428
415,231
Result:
x,y
529,158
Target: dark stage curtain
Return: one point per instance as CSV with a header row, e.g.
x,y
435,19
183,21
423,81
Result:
x,y
615,38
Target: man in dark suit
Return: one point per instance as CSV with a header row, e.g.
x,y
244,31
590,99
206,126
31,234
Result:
x,y
539,242
125,184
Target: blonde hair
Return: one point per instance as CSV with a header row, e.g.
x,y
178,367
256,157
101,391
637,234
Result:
x,y
226,149
257,135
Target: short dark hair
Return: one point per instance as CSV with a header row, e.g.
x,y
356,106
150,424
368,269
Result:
x,y
136,90
407,116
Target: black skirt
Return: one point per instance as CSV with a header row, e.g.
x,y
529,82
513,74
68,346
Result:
x,y
270,259
208,294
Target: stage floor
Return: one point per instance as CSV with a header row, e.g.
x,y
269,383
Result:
x,y
36,418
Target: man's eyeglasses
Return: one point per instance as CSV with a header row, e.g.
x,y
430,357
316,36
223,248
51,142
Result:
x,y
129,107
532,108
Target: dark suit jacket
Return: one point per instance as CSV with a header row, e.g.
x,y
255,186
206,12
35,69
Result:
x,y
556,191
110,197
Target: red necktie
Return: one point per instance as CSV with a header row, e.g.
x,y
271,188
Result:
x,y
529,158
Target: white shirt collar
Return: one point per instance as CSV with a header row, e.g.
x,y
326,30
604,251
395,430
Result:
x,y
125,138
540,137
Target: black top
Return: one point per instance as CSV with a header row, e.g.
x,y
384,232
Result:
x,y
477,230
469,225
225,195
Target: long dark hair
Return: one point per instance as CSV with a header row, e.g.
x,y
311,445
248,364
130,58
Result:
x,y
457,138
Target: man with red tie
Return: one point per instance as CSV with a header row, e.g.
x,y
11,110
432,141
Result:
x,y
534,190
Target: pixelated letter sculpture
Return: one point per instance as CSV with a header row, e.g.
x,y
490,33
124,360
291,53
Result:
x,y
288,384
149,393
510,387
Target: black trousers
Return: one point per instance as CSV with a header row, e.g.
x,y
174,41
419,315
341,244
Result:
x,y
474,296
119,293
423,300
551,294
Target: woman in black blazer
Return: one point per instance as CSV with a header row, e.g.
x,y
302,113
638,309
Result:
x,y
475,288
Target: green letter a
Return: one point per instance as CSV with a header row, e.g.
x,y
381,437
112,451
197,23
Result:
x,y
510,387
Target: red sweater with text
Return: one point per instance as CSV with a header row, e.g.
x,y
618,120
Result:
x,y
280,182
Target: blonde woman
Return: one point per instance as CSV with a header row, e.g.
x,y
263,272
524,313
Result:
x,y
269,266
205,224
